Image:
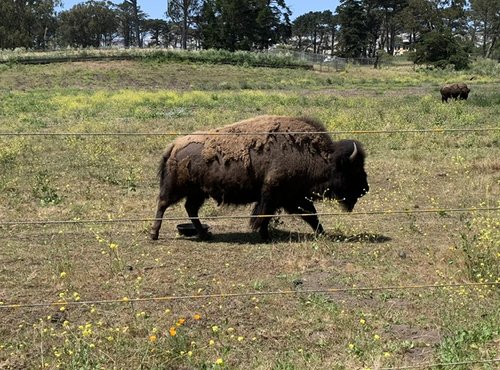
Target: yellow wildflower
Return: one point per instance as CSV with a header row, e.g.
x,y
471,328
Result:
x,y
219,361
172,331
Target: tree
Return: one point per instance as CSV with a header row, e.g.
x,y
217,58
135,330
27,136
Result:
x,y
419,17
391,10
272,23
88,24
27,24
353,34
303,29
441,49
453,15
159,31
374,26
136,16
131,20
207,24
243,25
486,16
183,14
316,29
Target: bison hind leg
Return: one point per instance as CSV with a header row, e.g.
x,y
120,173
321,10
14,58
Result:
x,y
163,204
166,198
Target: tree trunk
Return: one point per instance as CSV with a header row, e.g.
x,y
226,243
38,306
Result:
x,y
184,28
333,41
491,47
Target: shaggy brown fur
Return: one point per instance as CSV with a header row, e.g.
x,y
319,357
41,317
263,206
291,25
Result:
x,y
454,91
278,162
234,142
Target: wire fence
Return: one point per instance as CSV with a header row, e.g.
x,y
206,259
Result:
x,y
324,61
214,133
245,294
172,298
226,217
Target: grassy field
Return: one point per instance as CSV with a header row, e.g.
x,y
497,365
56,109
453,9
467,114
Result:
x,y
78,177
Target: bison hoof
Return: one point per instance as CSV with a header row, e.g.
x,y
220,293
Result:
x,y
153,235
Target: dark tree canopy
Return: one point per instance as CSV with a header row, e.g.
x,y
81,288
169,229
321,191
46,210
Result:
x,y
244,25
92,23
29,24
441,49
357,28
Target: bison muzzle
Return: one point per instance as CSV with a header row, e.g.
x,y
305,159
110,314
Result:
x,y
272,161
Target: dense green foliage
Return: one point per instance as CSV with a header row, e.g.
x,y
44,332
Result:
x,y
356,29
441,49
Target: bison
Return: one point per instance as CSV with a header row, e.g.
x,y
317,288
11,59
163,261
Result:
x,y
454,91
275,162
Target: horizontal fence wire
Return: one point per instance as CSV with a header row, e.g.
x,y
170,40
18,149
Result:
x,y
246,294
443,364
213,133
131,220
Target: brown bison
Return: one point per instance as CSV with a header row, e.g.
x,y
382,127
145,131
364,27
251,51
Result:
x,y
454,91
276,162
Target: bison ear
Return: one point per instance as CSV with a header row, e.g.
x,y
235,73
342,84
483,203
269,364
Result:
x,y
352,157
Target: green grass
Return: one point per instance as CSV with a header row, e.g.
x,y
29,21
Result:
x,y
114,177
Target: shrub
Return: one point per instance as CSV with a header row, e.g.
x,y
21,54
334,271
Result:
x,y
441,49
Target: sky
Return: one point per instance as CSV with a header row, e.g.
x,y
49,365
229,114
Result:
x,y
156,8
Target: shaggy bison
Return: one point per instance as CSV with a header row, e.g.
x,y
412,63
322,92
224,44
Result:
x,y
276,162
454,91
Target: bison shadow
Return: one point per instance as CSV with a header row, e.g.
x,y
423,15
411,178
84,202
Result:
x,y
283,236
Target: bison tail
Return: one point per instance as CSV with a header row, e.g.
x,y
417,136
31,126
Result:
x,y
162,168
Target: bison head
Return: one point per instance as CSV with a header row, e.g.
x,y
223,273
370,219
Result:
x,y
349,176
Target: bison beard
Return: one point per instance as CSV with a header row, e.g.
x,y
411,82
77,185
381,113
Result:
x,y
276,162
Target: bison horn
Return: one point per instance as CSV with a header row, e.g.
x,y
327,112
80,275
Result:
x,y
354,153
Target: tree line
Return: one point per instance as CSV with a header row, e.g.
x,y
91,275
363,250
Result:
x,y
436,31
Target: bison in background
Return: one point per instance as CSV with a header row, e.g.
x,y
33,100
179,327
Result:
x,y
454,91
276,162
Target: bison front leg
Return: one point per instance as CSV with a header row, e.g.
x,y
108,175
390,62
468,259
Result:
x,y
193,205
307,212
265,206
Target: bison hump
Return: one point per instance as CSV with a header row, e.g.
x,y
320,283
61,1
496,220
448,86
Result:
x,y
235,142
